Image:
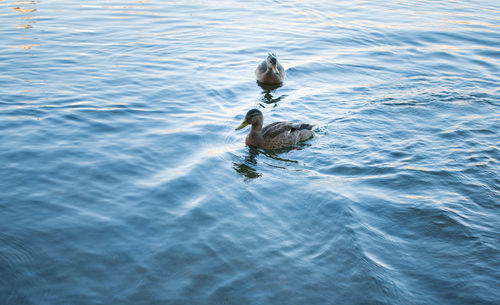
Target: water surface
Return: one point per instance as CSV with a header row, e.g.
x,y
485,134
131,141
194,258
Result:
x,y
124,181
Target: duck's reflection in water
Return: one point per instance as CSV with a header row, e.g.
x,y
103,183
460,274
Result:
x,y
247,166
267,95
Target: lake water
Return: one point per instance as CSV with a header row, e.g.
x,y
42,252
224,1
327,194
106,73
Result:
x,y
123,180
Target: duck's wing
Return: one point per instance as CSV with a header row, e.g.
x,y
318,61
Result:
x,y
281,69
276,128
261,68
301,126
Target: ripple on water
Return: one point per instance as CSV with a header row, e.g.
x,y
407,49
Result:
x,y
22,270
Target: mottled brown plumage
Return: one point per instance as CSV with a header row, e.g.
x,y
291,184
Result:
x,y
270,71
274,135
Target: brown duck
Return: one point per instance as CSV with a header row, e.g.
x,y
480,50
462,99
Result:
x,y
274,135
270,71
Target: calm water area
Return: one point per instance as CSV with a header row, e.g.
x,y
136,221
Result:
x,y
123,180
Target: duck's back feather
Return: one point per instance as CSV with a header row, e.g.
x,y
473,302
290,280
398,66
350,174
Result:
x,y
276,128
282,134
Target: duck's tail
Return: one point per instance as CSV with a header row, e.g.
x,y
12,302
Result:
x,y
304,131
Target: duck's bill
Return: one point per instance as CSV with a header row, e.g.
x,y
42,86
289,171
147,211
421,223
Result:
x,y
245,123
275,70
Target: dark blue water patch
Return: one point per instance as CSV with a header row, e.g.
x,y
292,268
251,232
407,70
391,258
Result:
x,y
24,111
427,220
351,170
407,181
455,134
20,267
483,63
457,38
493,152
92,278
265,274
491,53
479,192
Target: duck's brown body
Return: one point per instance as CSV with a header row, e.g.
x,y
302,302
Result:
x,y
270,71
275,135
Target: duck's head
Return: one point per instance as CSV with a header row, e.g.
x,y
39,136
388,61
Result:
x,y
272,63
253,117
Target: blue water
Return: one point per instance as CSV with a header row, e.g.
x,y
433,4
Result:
x,y
123,180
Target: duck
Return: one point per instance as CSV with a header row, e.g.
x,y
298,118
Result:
x,y
275,135
270,71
